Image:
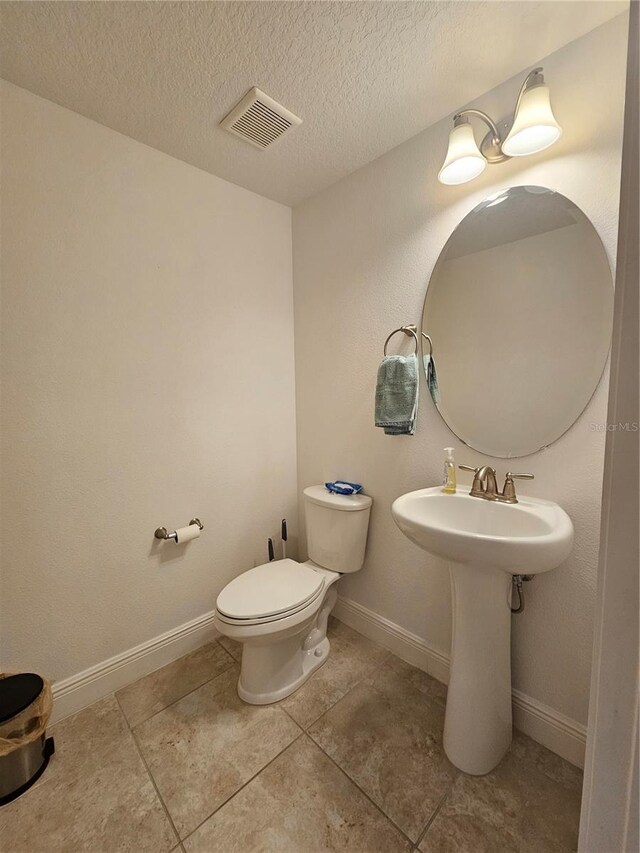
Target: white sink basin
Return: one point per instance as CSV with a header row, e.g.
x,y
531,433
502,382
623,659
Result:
x,y
529,537
486,543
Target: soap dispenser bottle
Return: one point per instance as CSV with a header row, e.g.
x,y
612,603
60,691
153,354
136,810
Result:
x,y
449,480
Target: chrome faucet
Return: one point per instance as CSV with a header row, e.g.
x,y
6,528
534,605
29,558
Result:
x,y
485,486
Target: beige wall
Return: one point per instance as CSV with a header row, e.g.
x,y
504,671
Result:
x,y
363,253
148,376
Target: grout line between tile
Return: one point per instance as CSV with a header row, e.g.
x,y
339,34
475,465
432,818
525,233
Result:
x,y
237,660
436,811
303,731
175,701
340,698
365,675
295,721
244,785
149,774
232,663
364,793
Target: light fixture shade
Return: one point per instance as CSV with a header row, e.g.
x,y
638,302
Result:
x,y
534,125
463,162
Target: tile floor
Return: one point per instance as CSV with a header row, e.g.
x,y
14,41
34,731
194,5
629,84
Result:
x,y
351,762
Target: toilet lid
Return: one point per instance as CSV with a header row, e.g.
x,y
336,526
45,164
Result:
x,y
269,590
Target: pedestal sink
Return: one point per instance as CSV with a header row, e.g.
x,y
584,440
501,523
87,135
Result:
x,y
485,542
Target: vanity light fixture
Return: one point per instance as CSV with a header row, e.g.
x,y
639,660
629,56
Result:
x,y
532,129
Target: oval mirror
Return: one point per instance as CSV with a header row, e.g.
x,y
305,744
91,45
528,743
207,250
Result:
x,y
519,312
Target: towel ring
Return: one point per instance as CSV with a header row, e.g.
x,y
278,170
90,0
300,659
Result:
x,y
408,330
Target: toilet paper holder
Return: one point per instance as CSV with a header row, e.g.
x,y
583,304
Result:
x,y
161,532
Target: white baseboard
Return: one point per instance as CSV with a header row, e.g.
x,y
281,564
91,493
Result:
x,y
78,691
558,733
403,643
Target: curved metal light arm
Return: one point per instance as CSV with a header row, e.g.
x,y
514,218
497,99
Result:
x,y
485,118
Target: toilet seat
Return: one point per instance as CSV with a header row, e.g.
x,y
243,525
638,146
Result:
x,y
269,592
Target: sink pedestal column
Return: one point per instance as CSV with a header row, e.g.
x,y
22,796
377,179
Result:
x,y
478,728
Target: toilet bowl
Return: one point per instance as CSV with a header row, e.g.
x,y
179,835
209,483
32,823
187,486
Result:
x,y
279,611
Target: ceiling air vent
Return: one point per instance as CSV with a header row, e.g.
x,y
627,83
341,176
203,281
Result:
x,y
259,119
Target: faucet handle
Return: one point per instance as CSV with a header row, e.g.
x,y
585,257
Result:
x,y
509,491
469,468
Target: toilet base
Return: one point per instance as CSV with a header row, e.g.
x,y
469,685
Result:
x,y
309,660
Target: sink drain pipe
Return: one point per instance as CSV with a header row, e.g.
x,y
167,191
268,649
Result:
x,y
517,581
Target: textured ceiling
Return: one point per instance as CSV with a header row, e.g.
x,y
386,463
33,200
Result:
x,y
364,76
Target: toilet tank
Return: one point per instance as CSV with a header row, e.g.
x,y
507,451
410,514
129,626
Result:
x,y
337,528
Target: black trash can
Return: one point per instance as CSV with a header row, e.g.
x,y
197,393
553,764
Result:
x,y
25,706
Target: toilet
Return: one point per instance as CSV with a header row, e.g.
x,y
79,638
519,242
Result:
x,y
279,611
